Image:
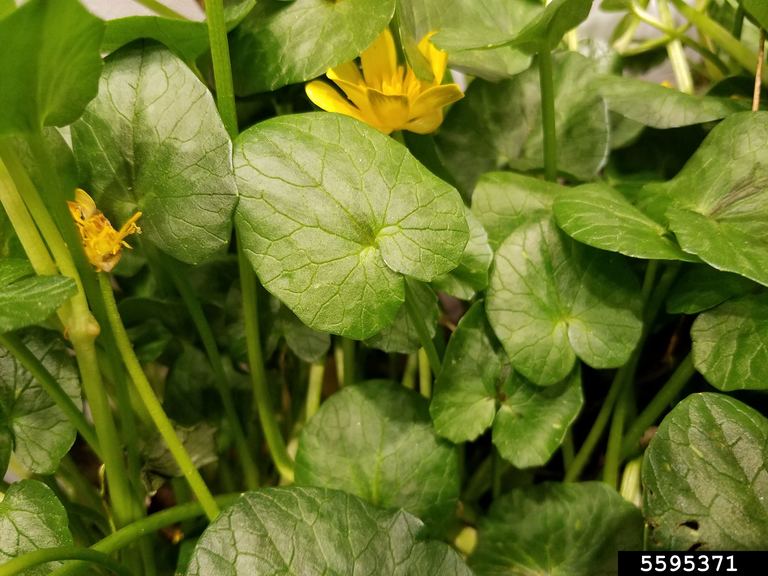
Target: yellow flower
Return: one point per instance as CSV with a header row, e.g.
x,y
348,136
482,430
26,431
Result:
x,y
103,244
386,95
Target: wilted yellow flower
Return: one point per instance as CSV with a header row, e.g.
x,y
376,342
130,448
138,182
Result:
x,y
386,95
102,243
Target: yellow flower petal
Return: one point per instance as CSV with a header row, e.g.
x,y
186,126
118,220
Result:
x,y
425,124
437,59
435,98
379,60
392,110
358,94
349,72
324,96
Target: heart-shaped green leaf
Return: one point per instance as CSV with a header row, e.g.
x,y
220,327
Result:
x,y
402,336
317,531
280,43
551,299
31,518
600,216
463,27
27,299
705,475
377,214
42,433
476,380
503,201
498,125
153,141
720,199
563,529
661,107
730,344
471,275
50,64
375,440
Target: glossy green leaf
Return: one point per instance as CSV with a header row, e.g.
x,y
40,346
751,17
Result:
x,y
153,141
705,475
50,63
471,275
476,380
661,107
758,10
466,393
551,299
720,198
42,433
702,287
464,26
401,336
600,216
27,299
504,201
533,420
498,125
187,39
31,517
281,43
375,440
730,344
557,530
317,531
377,214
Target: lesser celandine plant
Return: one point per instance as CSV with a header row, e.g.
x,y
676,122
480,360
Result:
x,y
256,321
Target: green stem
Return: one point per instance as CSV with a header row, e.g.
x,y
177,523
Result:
x,y
421,329
409,374
31,559
314,388
126,535
25,228
81,327
348,362
547,82
676,53
626,397
222,69
261,396
719,35
615,435
160,9
598,427
51,387
630,488
152,404
670,34
195,309
658,405
425,376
